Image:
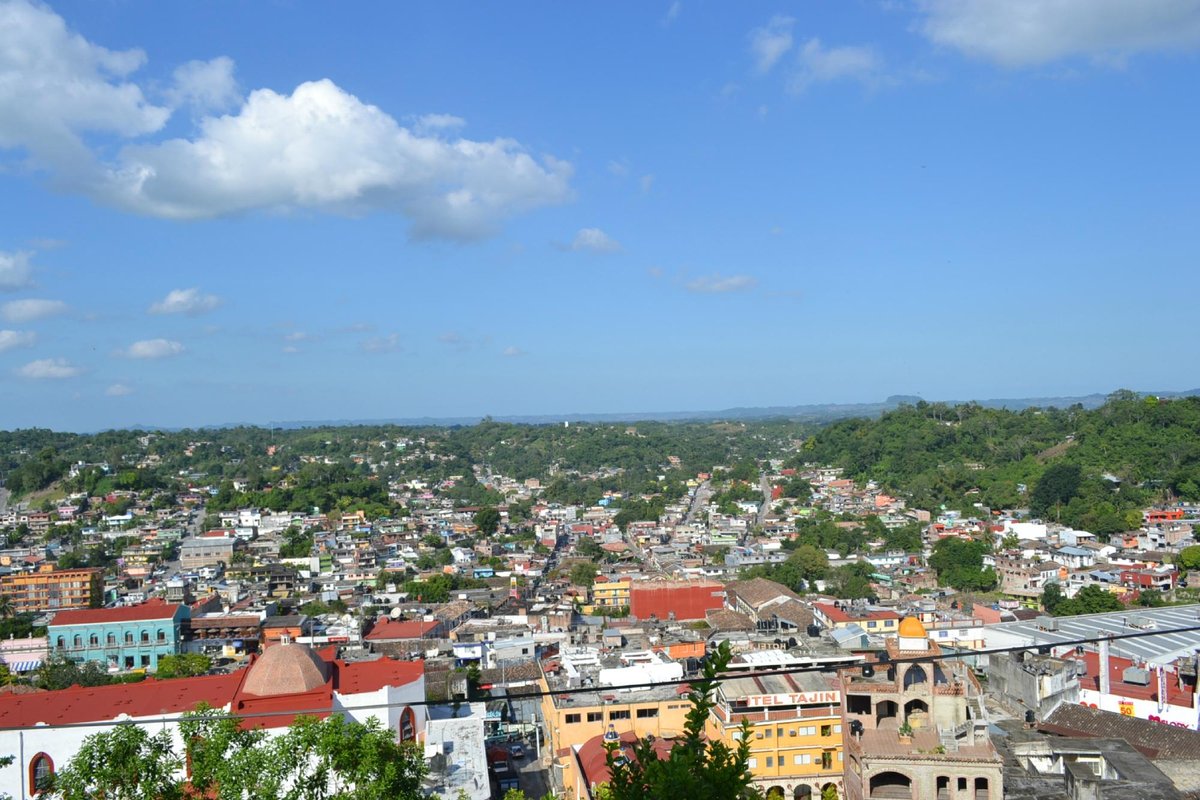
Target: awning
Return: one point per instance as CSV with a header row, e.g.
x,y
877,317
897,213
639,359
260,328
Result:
x,y
24,666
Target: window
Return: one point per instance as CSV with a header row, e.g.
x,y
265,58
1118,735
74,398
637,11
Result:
x,y
145,637
408,725
804,758
767,733
770,761
871,623
826,730
624,714
595,716
41,771
62,643
77,641
779,732
128,637
808,730
162,636
93,640
112,639
752,763
647,713
128,662
826,759
572,718
837,728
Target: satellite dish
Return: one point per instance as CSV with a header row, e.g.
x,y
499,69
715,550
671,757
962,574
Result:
x,y
395,614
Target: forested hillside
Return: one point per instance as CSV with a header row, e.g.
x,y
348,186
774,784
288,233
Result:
x,y
1126,453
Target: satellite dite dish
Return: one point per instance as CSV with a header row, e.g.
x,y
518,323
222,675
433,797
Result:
x,y
395,614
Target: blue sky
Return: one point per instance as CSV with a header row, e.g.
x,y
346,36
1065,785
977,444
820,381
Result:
x,y
224,211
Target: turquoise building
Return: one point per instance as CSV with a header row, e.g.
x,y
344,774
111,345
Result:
x,y
124,638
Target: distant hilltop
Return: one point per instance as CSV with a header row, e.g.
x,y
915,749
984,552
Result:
x,y
823,412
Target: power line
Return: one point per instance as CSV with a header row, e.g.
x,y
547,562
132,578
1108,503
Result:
x,y
728,675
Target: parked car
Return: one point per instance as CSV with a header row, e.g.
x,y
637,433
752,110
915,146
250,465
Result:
x,y
517,749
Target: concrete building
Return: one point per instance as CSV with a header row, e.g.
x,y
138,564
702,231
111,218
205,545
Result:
x,y
455,751
206,551
125,638
51,589
915,726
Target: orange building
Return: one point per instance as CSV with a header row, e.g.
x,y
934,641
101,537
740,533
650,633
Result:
x,y
49,589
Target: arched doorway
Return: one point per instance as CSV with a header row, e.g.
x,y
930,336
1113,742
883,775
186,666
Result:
x,y
916,713
982,789
886,709
775,793
943,788
829,792
890,786
803,792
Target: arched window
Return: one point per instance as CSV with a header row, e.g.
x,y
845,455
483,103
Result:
x,y
145,637
408,725
62,643
914,675
162,636
41,772
128,637
112,639
77,641
93,640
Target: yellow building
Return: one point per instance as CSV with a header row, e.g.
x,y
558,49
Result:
x,y
579,718
610,594
796,730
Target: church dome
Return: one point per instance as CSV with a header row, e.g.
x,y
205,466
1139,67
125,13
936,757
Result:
x,y
286,669
911,628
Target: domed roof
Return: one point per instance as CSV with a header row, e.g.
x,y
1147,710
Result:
x,y
911,628
286,669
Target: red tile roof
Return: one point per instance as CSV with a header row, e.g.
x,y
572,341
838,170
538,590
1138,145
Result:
x,y
145,699
151,609
835,614
1176,696
370,676
391,630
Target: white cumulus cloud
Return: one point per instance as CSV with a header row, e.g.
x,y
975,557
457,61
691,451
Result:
x,y
49,369
118,390
185,301
1019,33
594,240
31,309
153,348
318,148
769,43
322,148
15,271
11,340
718,284
816,63
56,86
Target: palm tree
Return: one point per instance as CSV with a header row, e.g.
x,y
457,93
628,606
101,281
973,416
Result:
x,y
7,609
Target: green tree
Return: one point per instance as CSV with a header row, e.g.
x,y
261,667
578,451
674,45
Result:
x,y
1189,557
583,573
1091,599
125,763
185,665
487,519
696,767
1051,597
1057,486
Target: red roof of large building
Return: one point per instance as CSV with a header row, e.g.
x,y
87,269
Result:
x,y
391,630
592,755
151,609
836,615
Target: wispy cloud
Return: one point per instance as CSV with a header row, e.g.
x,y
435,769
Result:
x,y
186,301
153,349
49,369
718,284
1022,33
118,390
11,340
512,352
816,63
382,344
31,309
15,271
769,43
672,14
594,240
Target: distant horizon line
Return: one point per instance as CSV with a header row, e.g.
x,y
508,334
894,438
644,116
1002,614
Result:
x,y
815,412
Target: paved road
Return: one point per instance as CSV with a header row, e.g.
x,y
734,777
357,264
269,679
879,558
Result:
x,y
699,501
765,484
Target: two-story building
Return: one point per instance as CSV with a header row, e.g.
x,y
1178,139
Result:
x,y
126,638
